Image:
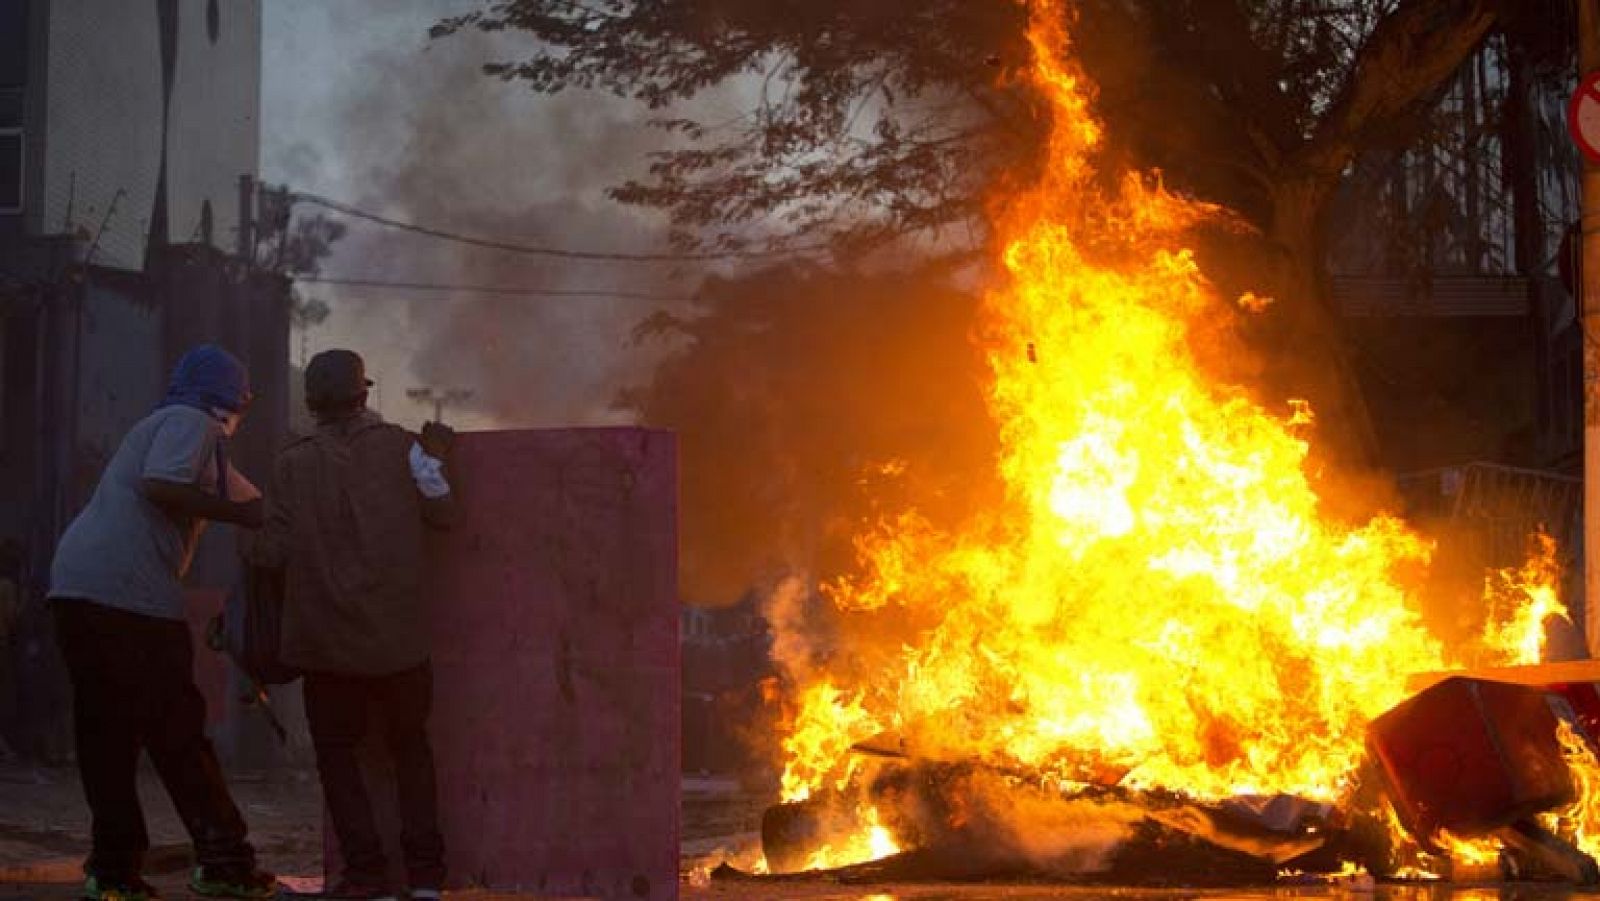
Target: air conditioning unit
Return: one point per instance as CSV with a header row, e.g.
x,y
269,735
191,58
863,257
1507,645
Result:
x,y
11,170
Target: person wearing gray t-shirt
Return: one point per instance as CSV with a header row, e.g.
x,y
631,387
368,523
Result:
x,y
123,550
116,587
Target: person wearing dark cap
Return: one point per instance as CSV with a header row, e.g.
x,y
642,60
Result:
x,y
345,520
116,591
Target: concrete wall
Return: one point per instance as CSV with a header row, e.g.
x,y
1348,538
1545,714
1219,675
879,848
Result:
x,y
83,363
21,339
556,703
121,369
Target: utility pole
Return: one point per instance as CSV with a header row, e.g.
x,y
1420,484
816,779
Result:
x,y
1589,61
440,398
246,239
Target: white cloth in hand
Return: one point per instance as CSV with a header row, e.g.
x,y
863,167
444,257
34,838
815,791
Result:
x,y
428,473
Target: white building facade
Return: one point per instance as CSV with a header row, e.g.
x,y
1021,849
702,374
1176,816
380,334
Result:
x,y
133,121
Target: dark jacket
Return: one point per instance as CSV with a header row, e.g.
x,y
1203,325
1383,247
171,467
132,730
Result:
x,y
345,523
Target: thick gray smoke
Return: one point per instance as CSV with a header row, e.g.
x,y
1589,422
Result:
x,y
360,106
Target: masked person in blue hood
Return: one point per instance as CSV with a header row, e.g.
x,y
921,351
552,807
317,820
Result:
x,y
116,587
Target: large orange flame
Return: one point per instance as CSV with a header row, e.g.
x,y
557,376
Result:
x,y
1160,594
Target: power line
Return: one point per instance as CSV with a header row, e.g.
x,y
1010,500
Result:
x,y
535,250
484,289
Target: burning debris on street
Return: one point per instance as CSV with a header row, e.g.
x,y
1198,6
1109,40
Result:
x,y
1160,661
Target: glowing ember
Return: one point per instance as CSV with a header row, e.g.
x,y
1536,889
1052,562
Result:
x,y
1160,594
1470,852
871,843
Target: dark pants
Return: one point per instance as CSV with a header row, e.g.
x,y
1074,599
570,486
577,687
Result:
x,y
339,708
133,690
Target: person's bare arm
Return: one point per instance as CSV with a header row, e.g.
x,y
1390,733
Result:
x,y
181,500
174,466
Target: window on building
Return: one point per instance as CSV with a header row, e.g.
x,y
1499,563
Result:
x,y
5,384
10,170
13,42
13,73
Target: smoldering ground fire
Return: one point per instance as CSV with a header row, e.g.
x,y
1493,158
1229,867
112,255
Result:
x,y
1161,607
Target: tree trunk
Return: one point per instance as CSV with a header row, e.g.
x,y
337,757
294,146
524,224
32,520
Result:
x,y
1319,360
1397,73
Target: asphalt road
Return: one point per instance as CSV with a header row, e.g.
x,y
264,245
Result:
x,y
44,826
823,892
172,888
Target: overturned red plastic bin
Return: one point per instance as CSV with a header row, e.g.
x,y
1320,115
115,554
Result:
x,y
1471,756
1584,698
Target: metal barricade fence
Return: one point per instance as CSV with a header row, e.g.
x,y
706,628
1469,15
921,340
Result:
x,y
1497,508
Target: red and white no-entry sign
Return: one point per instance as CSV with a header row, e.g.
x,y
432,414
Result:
x,y
1583,116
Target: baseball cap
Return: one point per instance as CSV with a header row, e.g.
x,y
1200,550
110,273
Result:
x,y
335,376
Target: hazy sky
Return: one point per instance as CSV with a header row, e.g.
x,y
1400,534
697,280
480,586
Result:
x,y
359,106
